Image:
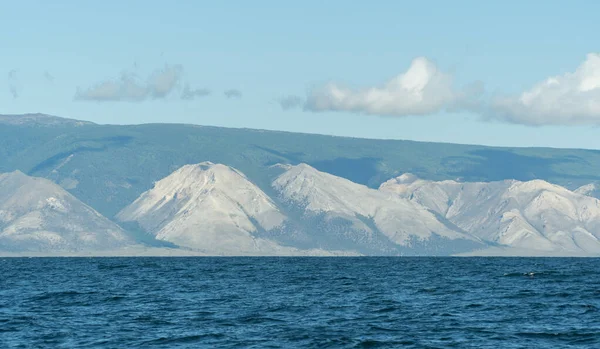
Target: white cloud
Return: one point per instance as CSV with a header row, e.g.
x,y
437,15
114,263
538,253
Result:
x,y
233,93
129,88
569,99
291,102
13,83
189,94
423,89
163,81
48,77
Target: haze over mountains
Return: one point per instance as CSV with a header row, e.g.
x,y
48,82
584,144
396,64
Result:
x,y
274,193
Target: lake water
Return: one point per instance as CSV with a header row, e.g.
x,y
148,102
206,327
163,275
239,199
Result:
x,y
299,302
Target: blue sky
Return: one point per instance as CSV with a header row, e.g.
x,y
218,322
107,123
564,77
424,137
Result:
x,y
129,62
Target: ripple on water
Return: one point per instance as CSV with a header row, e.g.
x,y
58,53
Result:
x,y
300,302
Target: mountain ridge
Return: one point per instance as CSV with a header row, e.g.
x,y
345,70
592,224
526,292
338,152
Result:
x,y
39,119
79,122
534,215
366,215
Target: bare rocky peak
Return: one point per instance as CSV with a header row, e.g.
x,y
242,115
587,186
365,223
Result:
x,y
206,206
399,219
38,215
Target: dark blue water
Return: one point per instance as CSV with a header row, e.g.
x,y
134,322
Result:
x,y
299,302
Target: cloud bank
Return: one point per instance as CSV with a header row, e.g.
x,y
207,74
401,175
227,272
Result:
x,y
423,89
568,99
129,88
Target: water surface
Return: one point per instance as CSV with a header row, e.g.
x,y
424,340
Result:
x,y
299,302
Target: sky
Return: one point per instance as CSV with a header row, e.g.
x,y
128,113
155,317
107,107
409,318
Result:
x,y
504,73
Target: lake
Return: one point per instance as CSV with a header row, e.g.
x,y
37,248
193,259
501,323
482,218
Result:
x,y
255,302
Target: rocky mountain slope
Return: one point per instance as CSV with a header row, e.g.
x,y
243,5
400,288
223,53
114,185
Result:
x,y
207,207
215,209
38,215
337,212
533,215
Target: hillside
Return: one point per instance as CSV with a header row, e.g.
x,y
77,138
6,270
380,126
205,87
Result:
x,y
533,215
207,207
335,212
215,209
37,215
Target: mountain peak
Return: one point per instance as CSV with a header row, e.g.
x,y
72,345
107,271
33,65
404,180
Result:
x,y
300,168
15,173
198,175
591,189
206,206
534,185
17,178
38,215
205,165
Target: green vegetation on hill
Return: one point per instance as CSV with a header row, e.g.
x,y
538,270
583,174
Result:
x,y
109,166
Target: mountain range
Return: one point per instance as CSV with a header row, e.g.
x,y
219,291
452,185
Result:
x,y
533,215
212,191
